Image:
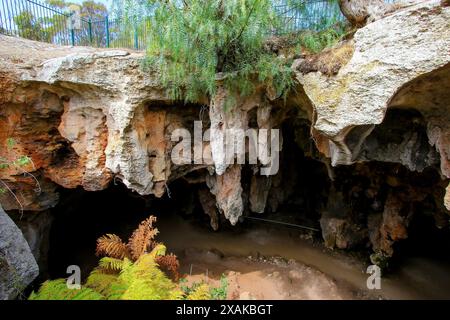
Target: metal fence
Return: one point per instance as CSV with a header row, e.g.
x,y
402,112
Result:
x,y
307,15
39,21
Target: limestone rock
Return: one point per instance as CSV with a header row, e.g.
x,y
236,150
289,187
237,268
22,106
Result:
x,y
383,63
358,12
339,230
208,203
391,226
259,192
228,191
447,198
87,116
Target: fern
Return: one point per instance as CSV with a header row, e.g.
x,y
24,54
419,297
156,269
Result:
x,y
141,241
101,282
202,292
112,265
170,264
146,282
112,246
117,290
58,290
141,280
142,238
128,272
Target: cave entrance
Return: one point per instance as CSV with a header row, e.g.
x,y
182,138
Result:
x,y
343,210
300,189
81,217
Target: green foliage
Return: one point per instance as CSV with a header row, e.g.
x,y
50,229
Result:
x,y
49,25
198,289
18,163
201,292
144,281
31,27
116,279
102,282
95,11
125,279
88,9
220,293
318,41
194,42
57,290
112,264
330,26
10,143
23,161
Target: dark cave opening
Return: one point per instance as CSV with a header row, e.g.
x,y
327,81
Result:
x,y
302,194
81,217
300,188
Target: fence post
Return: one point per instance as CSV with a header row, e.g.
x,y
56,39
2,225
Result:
x,y
136,42
72,36
107,30
90,31
72,30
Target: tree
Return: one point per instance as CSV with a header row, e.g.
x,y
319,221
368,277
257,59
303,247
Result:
x,y
195,43
52,27
31,27
89,11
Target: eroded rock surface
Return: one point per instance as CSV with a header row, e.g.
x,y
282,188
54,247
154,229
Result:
x,y
388,55
86,117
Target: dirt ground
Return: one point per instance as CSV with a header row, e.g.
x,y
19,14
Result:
x,y
262,278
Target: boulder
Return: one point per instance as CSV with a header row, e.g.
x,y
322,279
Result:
x,y
18,267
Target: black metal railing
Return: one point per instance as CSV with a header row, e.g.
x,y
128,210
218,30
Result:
x,y
40,21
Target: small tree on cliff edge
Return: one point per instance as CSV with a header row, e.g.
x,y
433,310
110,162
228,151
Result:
x,y
192,42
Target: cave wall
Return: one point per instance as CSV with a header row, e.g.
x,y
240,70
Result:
x,y
377,127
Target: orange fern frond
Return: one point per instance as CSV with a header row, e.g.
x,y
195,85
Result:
x,y
141,241
111,245
169,264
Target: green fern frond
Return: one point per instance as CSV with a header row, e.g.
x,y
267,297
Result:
x,y
117,290
146,281
158,250
101,282
112,264
200,293
58,290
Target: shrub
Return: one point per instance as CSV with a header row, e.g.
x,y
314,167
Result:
x,y
198,43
